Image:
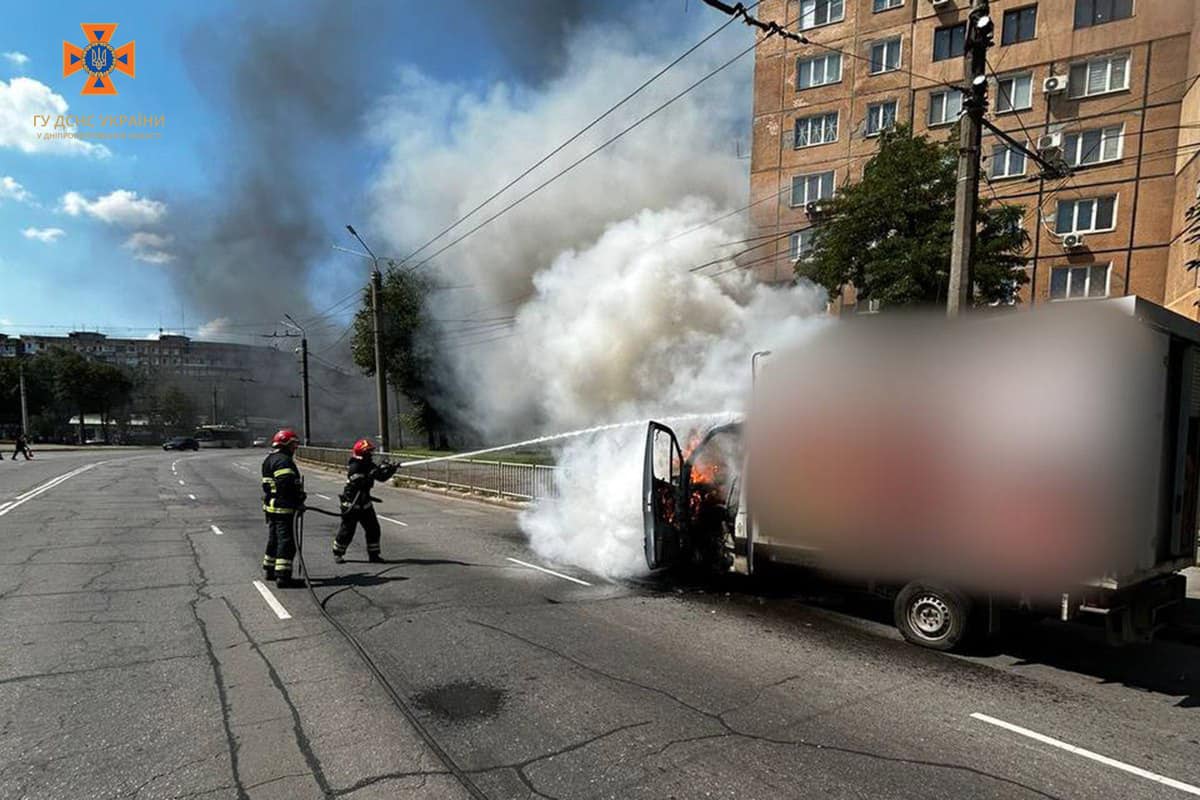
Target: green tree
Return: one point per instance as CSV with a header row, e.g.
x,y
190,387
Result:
x,y
889,235
175,411
407,346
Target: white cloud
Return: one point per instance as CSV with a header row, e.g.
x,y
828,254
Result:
x,y
214,328
45,235
16,58
119,207
11,189
150,247
20,99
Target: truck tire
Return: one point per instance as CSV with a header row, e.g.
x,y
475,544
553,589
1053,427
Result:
x,y
932,615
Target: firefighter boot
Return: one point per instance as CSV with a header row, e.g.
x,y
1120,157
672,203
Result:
x,y
268,568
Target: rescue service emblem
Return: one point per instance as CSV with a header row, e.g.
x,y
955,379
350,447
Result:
x,y
98,58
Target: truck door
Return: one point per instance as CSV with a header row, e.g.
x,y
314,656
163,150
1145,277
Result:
x,y
664,509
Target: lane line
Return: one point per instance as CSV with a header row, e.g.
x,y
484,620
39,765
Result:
x,y
549,572
191,497
217,530
45,487
394,521
272,601
1079,751
323,496
181,481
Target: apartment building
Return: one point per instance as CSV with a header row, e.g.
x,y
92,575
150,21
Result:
x,y
1113,84
169,353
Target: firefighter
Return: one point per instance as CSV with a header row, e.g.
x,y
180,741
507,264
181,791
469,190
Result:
x,y
361,474
283,498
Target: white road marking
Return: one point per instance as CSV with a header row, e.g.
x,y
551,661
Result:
x,y
45,487
217,530
173,463
181,481
272,601
323,496
549,572
191,497
393,521
1079,751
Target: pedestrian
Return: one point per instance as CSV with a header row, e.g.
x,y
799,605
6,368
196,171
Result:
x,y
283,499
356,501
22,447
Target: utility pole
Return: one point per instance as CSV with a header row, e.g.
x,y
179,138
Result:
x,y
24,406
213,419
381,400
980,31
303,375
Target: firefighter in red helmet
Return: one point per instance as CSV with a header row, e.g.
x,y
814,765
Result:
x,y
283,498
361,474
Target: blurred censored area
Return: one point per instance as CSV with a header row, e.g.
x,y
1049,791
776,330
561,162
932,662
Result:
x,y
1010,454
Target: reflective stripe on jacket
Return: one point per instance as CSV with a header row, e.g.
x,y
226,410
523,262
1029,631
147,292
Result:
x,y
282,484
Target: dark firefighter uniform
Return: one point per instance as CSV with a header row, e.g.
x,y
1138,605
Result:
x,y
356,506
283,496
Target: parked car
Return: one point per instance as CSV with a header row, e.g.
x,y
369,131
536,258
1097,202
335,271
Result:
x,y
181,443
261,441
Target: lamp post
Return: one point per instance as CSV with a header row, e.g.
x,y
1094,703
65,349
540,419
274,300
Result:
x,y
377,326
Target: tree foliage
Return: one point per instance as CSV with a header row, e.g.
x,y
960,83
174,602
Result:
x,y
889,235
60,384
407,346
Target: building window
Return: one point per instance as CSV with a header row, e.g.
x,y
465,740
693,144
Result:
x,y
1077,283
885,56
1020,25
1095,146
945,106
820,129
820,12
800,244
1007,162
1098,12
809,188
949,42
881,117
1086,215
1014,92
818,71
1099,76
884,5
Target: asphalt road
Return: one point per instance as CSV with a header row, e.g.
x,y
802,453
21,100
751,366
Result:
x,y
141,661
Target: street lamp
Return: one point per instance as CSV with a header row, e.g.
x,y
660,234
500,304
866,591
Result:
x,y
377,325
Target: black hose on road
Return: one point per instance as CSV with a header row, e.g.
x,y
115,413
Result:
x,y
396,699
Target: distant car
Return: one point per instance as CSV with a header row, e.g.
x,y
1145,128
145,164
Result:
x,y
181,443
260,442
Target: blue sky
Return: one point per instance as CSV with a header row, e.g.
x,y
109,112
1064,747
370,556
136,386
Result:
x,y
122,214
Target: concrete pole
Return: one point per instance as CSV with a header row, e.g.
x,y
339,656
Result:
x,y
385,438
24,403
966,195
304,386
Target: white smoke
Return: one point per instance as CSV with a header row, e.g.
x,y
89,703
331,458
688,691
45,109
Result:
x,y
583,307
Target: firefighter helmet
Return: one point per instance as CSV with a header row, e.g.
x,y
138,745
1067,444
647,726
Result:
x,y
285,437
363,447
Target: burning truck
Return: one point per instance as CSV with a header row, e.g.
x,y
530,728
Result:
x,y
1046,462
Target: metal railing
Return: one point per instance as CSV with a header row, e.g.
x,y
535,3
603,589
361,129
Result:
x,y
503,479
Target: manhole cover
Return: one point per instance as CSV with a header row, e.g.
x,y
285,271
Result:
x,y
463,700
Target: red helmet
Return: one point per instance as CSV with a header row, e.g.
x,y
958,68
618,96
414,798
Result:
x,y
363,447
285,437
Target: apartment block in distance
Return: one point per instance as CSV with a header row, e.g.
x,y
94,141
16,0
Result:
x,y
1110,85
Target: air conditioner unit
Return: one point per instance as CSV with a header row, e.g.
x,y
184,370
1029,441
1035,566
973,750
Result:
x,y
939,3
1049,141
1073,241
1055,84
814,208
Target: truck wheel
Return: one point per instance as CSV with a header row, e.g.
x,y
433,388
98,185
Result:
x,y
932,616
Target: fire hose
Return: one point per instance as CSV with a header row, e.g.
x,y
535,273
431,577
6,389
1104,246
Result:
x,y
397,700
